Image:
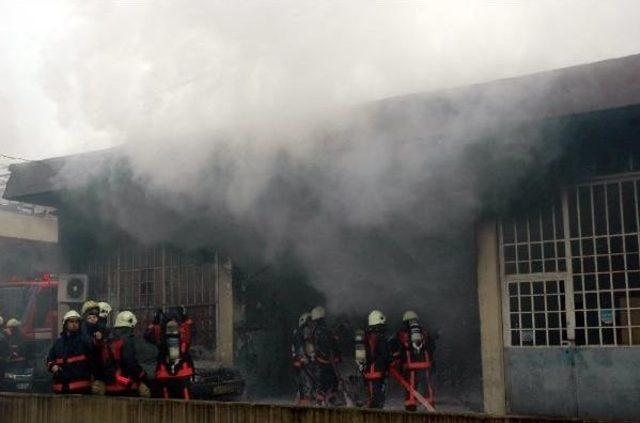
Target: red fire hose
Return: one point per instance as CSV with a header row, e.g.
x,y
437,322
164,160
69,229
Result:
x,y
397,376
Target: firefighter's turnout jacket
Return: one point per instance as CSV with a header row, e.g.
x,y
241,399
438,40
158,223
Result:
x,y
376,365
413,357
123,373
71,353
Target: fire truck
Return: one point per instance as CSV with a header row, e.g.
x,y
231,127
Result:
x,y
39,302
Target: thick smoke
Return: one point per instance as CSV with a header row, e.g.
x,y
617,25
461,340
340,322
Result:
x,y
262,122
261,114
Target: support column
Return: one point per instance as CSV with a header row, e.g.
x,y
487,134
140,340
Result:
x,y
224,312
490,298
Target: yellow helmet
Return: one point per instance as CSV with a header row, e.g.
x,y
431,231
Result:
x,y
89,305
409,315
376,317
125,319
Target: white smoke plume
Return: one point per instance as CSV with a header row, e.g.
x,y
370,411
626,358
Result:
x,y
267,94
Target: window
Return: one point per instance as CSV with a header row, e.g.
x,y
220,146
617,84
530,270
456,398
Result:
x,y
605,261
146,286
534,243
597,286
536,313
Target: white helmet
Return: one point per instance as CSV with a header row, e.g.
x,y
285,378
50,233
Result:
x,y
105,309
125,319
88,306
304,318
376,318
409,315
71,314
13,323
318,313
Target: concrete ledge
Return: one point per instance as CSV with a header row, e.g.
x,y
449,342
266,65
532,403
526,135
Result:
x,y
25,408
22,226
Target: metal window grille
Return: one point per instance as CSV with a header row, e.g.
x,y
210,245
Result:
x,y
144,279
595,224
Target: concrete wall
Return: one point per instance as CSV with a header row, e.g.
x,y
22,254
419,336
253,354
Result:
x,y
490,307
575,381
21,408
224,311
33,228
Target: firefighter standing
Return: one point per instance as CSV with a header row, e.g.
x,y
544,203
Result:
x,y
4,349
327,357
69,358
123,374
17,353
413,357
90,312
174,367
103,317
304,377
377,359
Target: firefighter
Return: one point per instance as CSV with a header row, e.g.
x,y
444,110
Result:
x,y
123,374
356,387
90,317
4,349
17,353
171,334
69,358
304,377
104,311
377,359
413,357
327,357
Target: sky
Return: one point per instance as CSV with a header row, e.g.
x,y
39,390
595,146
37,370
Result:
x,y
79,76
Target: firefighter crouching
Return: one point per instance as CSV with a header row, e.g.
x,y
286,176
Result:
x,y
327,357
69,358
377,359
301,365
171,334
412,356
123,374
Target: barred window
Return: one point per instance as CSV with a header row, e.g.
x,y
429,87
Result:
x,y
536,312
534,243
598,288
605,261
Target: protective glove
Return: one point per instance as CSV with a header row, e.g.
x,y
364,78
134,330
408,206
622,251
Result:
x,y
144,391
98,387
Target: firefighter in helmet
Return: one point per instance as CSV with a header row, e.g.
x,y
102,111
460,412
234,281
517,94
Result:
x,y
413,357
327,357
90,316
69,358
15,341
123,374
171,333
304,377
4,348
377,359
104,311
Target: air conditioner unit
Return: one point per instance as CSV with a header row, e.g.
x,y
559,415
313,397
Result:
x,y
72,288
